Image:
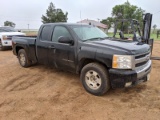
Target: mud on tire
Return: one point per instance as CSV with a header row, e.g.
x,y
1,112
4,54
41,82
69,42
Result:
x,y
95,79
23,58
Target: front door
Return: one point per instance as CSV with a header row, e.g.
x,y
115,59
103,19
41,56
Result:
x,y
59,52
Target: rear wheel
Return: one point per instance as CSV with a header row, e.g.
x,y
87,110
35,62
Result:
x,y
95,80
1,46
23,58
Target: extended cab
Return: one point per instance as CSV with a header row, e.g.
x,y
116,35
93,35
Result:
x,y
6,34
101,61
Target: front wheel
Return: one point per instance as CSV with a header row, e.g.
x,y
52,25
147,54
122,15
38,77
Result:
x,y
23,58
95,79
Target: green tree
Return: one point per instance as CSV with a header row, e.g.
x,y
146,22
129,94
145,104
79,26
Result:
x,y
109,21
54,15
9,23
154,27
126,11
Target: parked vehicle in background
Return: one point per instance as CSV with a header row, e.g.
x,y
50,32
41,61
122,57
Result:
x,y
6,34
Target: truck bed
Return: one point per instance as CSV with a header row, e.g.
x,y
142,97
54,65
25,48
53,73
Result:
x,y
28,43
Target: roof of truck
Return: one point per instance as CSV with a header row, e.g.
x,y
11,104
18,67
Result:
x,y
64,23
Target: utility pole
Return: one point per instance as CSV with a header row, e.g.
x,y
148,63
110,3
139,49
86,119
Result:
x,y
28,27
81,16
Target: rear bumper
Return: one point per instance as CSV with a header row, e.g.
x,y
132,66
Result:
x,y
120,78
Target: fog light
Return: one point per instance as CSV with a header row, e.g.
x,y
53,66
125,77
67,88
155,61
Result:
x,y
128,84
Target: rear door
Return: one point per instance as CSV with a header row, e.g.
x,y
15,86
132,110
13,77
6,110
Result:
x,y
43,44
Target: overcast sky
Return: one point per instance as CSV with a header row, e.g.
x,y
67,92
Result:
x,y
23,12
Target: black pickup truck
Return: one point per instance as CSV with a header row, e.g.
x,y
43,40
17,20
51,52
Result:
x,y
102,62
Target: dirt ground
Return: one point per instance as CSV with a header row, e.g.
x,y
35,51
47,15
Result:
x,y
43,93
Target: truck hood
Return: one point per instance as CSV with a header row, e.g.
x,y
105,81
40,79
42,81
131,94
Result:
x,y
131,47
12,33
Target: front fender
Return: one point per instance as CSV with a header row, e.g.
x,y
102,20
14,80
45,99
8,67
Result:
x,y
85,52
104,57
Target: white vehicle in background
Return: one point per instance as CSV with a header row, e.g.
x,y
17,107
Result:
x,y
6,34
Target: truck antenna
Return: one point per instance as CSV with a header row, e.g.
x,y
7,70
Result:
x,y
81,23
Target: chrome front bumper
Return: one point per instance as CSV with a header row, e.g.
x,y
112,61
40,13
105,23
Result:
x,y
143,70
123,78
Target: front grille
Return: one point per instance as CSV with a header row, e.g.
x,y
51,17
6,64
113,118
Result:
x,y
140,64
141,56
142,59
9,37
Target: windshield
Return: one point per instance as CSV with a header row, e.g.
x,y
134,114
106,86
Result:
x,y
88,32
7,29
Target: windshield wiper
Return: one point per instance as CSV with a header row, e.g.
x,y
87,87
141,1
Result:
x,y
97,38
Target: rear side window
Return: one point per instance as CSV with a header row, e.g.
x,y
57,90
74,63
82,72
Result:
x,y
46,33
60,31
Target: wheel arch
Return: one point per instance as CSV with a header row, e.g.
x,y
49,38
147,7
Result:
x,y
86,61
18,48
31,57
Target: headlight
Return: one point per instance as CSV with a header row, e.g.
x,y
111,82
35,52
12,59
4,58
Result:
x,y
122,62
4,37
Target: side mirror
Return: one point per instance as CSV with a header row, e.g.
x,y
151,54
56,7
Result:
x,y
66,40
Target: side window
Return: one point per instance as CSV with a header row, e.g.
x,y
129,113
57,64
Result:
x,y
60,31
46,33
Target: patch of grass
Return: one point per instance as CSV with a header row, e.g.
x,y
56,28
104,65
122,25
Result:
x,y
31,33
110,34
154,36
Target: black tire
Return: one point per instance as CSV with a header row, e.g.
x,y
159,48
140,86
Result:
x,y
23,58
102,75
1,46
